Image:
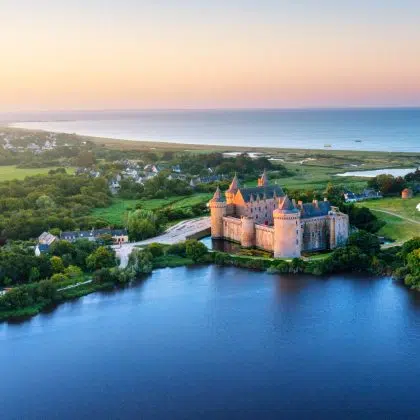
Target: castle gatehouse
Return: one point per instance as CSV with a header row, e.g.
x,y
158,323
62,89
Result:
x,y
264,217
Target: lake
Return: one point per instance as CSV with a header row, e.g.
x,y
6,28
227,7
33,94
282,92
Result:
x,y
212,342
391,129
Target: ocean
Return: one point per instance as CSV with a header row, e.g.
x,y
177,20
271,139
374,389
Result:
x,y
341,129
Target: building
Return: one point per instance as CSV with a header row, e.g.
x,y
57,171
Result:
x,y
119,236
44,242
407,193
264,217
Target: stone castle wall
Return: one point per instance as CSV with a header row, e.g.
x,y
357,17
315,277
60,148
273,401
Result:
x,y
315,234
232,228
264,237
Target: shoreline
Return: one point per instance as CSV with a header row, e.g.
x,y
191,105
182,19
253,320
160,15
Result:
x,y
121,143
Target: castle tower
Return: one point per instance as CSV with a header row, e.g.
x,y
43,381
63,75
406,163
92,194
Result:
x,y
338,227
287,230
233,189
263,181
217,211
247,232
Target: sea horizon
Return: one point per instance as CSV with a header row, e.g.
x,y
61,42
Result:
x,y
362,129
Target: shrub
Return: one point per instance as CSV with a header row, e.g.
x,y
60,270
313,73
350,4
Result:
x,y
157,250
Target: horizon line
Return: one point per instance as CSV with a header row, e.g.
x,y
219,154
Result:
x,y
204,109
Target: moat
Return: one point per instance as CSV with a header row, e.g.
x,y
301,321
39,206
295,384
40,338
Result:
x,y
212,342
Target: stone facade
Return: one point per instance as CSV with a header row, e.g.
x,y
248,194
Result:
x,y
264,217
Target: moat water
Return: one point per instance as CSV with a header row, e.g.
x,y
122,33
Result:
x,y
210,342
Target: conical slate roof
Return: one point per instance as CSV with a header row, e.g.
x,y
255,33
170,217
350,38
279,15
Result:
x,y
234,185
264,178
217,195
286,206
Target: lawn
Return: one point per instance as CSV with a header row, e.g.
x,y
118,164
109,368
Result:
x,y
10,172
116,212
396,228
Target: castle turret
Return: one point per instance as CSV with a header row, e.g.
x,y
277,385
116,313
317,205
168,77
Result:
x,y
287,230
217,211
247,232
233,189
263,181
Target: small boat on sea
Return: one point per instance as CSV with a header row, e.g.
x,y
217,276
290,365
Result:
x,y
327,145
358,141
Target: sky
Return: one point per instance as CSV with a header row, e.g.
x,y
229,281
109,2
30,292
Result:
x,y
142,54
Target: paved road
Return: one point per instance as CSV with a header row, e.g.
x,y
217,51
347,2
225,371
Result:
x,y
398,215
174,234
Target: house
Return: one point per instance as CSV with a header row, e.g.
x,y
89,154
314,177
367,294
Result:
x,y
407,193
152,168
44,242
119,236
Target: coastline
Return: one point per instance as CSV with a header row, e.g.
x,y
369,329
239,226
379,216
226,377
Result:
x,y
370,129
147,144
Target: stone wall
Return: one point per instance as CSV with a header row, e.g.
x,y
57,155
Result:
x,y
232,228
341,229
315,234
264,237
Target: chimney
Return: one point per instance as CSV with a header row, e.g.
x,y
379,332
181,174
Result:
x,y
315,203
294,202
325,199
300,203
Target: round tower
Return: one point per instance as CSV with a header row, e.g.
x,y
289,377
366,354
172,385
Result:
x,y
248,232
217,211
287,230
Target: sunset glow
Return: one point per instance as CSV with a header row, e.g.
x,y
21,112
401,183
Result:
x,y
200,54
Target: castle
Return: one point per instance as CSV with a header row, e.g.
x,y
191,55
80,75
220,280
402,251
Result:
x,y
264,217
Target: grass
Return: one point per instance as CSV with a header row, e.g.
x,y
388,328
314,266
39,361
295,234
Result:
x,y
396,228
10,172
171,261
312,177
116,212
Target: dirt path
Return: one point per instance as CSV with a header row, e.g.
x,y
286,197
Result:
x,y
398,215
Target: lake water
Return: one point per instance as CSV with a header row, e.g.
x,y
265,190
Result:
x,y
376,172
225,343
349,129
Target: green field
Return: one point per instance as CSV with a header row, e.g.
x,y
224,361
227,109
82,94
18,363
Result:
x,y
312,177
116,212
9,172
397,227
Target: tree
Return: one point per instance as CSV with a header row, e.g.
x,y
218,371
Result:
x,y
45,203
102,257
368,243
34,274
140,262
73,272
141,224
195,249
57,264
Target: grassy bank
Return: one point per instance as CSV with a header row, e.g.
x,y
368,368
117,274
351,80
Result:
x,y
397,226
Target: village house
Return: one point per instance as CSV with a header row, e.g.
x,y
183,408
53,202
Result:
x,y
119,236
45,240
